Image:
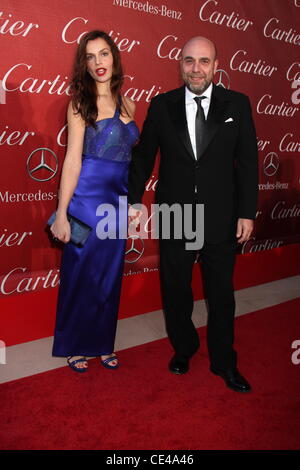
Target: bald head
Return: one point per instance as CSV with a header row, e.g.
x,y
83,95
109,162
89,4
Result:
x,y
200,41
198,63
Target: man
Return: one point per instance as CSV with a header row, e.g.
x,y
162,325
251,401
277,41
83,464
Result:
x,y
208,156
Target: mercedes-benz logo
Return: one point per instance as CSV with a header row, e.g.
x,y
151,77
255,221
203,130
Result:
x,y
271,164
42,164
135,250
222,78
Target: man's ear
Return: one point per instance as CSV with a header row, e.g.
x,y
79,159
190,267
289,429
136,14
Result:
x,y
216,64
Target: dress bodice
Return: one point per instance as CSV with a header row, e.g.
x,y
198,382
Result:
x,y
112,139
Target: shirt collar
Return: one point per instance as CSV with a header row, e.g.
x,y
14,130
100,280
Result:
x,y
189,95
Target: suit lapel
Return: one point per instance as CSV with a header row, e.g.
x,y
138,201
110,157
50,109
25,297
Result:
x,y
217,109
176,106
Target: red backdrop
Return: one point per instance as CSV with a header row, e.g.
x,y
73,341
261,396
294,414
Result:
x,y
258,46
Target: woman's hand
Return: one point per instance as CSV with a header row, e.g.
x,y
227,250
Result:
x,y
61,229
134,216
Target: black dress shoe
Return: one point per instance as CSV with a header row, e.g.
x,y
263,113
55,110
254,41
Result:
x,y
233,380
179,365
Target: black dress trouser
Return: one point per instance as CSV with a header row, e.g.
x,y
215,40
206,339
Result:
x,y
176,267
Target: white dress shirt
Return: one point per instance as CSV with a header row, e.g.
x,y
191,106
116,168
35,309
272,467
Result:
x,y
191,110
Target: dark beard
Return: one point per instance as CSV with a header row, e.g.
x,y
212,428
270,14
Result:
x,y
198,90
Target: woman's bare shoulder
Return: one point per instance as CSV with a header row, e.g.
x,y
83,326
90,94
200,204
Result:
x,y
73,115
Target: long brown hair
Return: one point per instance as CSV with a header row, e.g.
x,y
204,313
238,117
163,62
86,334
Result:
x,y
83,86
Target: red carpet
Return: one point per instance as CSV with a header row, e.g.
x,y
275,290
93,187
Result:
x,y
144,406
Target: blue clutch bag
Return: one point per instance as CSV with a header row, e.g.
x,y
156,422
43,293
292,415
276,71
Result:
x,y
79,230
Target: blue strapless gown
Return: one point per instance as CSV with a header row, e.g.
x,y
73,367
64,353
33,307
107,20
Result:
x,y
91,275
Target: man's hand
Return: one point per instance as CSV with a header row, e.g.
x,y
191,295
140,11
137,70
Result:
x,y
244,229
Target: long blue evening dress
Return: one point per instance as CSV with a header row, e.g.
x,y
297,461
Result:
x,y
91,275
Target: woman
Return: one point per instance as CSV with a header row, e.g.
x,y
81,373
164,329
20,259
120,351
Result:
x,y
101,133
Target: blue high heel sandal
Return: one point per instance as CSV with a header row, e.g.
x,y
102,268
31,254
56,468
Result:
x,y
106,362
72,364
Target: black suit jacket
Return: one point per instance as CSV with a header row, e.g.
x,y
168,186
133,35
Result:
x,y
226,174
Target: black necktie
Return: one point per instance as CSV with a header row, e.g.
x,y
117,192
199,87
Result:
x,y
199,125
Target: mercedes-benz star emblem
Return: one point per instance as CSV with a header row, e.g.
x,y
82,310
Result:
x,y
271,164
135,250
42,164
221,78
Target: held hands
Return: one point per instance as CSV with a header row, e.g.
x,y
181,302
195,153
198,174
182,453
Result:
x,y
244,229
134,216
61,229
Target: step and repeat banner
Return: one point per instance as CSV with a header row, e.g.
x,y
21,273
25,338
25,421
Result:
x,y
258,47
